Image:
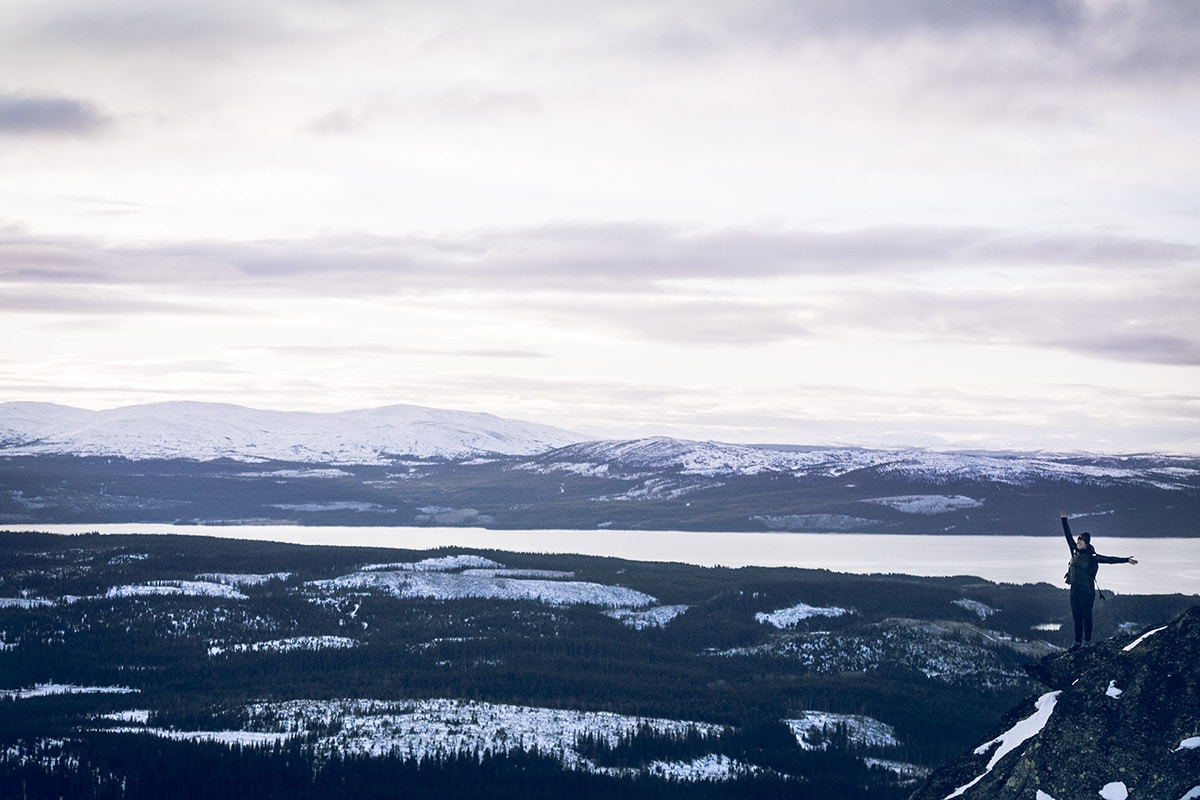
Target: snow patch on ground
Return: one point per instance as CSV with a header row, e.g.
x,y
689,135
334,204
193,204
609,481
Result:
x,y
1112,690
24,602
440,564
548,574
338,505
1114,791
1189,744
139,716
310,643
243,580
656,617
926,503
190,588
813,729
47,689
984,611
787,617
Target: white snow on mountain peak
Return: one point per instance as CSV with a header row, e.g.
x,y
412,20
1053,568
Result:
x,y
387,435
208,431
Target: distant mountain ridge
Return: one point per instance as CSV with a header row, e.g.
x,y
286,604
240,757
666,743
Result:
x,y
208,431
408,465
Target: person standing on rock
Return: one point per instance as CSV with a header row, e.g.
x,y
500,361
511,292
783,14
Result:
x,y
1081,574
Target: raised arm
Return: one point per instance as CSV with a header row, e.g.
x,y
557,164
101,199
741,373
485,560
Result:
x,y
1067,531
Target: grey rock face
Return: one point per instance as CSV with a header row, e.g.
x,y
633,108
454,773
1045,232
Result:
x,y
1121,720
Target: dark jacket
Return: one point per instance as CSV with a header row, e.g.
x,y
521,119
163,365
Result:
x,y
1081,572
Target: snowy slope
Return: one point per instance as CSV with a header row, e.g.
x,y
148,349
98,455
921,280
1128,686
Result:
x,y
638,457
205,431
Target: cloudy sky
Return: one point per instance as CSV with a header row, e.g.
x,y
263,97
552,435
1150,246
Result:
x,y
923,222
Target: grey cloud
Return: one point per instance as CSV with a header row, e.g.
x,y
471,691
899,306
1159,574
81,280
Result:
x,y
782,19
1145,348
344,351
1146,322
136,25
628,258
36,115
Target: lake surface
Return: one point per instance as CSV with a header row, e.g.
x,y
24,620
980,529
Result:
x,y
1165,566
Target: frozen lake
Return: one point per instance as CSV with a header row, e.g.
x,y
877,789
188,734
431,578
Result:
x,y
1165,566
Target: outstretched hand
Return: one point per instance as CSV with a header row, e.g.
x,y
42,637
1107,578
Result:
x,y
1132,560
1062,514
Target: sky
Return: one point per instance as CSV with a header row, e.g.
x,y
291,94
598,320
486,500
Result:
x,y
923,222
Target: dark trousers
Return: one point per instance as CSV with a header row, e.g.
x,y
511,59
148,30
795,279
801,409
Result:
x,y
1081,610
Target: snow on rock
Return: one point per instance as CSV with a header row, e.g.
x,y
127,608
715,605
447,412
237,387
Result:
x,y
1191,743
787,617
311,643
984,611
190,588
656,617
926,503
1013,738
1114,791
1133,645
1192,794
1112,690
813,728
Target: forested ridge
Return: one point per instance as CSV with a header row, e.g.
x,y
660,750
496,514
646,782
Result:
x,y
933,660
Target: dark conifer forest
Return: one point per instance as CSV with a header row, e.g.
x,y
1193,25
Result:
x,y
195,667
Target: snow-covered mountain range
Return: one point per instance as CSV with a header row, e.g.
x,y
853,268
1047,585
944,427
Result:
x,y
407,465
208,431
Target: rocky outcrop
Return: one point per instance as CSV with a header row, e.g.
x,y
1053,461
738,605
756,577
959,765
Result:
x,y
1120,719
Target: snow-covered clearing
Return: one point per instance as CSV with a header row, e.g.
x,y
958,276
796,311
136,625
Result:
x,y
983,611
421,729
24,602
237,579
45,689
656,617
926,503
439,564
458,586
813,729
787,617
190,588
311,643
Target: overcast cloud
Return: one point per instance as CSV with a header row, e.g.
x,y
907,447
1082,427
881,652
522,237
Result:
x,y
927,222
